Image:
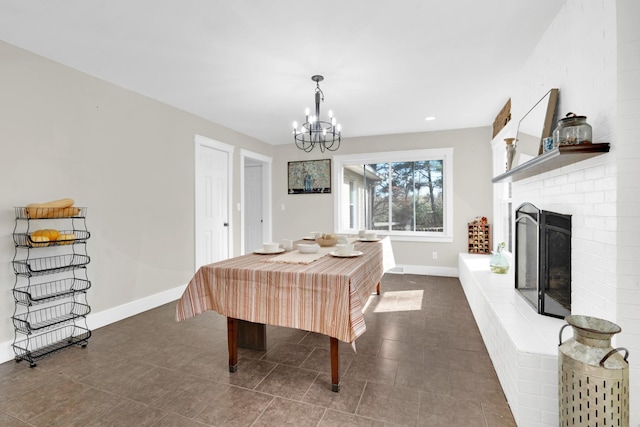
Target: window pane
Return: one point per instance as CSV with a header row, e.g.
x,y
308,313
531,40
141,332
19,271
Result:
x,y
403,196
417,196
380,197
430,204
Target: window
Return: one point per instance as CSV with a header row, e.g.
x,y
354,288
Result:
x,y
502,199
352,205
404,194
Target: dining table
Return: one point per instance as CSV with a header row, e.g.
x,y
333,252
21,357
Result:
x,y
325,292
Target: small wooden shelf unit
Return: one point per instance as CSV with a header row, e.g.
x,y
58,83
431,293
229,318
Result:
x,y
479,238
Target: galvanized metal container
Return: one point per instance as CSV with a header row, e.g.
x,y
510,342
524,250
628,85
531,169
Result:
x,y
593,377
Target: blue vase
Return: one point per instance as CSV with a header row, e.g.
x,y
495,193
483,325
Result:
x,y
498,263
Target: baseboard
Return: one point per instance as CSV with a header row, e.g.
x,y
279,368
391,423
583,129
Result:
x,y
112,315
425,270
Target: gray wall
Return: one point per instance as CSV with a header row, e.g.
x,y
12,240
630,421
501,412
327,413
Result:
x,y
128,158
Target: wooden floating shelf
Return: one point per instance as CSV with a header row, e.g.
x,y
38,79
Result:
x,y
554,159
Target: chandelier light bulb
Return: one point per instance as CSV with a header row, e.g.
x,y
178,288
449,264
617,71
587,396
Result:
x,y
295,125
333,121
339,128
306,111
330,114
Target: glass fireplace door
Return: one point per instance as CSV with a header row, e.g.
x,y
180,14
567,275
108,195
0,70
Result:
x,y
543,260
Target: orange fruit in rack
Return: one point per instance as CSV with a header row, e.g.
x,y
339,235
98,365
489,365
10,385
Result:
x,y
49,233
38,241
66,239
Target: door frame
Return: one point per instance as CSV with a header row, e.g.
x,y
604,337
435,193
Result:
x,y
199,141
266,161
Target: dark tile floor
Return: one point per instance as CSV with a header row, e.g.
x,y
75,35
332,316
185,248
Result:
x,y
421,362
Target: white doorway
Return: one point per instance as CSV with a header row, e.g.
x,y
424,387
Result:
x,y
213,184
255,189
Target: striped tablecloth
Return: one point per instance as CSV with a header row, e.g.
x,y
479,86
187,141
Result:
x,y
326,296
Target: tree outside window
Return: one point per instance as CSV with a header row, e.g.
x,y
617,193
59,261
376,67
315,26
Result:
x,y
408,196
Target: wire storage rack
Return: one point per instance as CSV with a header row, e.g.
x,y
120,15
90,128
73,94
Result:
x,y
50,290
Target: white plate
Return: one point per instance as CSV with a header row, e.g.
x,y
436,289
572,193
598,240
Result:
x,y
263,252
309,238
377,239
351,255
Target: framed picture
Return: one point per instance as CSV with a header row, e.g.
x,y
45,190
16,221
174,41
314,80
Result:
x,y
310,177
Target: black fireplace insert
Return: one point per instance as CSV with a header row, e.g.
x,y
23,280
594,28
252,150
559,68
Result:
x,y
543,259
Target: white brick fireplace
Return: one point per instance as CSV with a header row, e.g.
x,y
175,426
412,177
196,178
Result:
x,y
590,52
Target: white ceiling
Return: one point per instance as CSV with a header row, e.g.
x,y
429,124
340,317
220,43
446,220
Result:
x,y
247,64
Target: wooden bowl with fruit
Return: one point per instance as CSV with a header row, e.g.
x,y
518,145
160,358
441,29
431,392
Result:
x,y
326,240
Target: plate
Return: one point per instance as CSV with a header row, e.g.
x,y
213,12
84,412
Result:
x,y
263,252
377,239
351,255
309,238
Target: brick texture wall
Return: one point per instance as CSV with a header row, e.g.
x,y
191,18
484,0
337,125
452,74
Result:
x,y
590,52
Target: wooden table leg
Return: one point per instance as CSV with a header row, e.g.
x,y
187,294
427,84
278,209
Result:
x,y
378,288
232,339
335,365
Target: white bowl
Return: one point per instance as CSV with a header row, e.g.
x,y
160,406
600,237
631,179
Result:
x,y
304,248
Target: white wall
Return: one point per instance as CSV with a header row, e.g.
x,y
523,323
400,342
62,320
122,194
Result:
x,y
472,191
590,52
627,191
128,158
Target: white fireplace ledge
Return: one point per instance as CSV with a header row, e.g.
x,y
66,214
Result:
x,y
529,331
522,344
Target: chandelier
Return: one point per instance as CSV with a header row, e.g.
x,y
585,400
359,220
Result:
x,y
326,135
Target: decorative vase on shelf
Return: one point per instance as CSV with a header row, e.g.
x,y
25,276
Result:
x,y
498,263
511,152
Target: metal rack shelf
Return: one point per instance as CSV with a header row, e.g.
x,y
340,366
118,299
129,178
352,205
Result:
x,y
50,213
34,348
49,265
24,240
41,293
45,318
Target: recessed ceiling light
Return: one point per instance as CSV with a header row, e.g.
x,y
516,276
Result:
x,y
429,118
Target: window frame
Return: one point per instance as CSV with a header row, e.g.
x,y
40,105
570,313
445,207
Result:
x,y
444,154
502,229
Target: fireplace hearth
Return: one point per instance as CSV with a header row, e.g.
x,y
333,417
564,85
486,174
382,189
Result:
x,y
543,260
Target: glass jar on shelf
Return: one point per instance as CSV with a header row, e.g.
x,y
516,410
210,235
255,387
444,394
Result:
x,y
572,130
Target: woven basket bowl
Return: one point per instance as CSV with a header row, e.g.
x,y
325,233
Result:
x,y
326,242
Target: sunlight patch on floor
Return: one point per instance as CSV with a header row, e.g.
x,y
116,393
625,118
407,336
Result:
x,y
396,301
